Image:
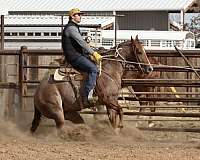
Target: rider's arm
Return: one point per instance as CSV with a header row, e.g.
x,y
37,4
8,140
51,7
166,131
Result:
x,y
74,33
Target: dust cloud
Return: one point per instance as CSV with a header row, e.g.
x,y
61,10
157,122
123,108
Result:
x,y
10,131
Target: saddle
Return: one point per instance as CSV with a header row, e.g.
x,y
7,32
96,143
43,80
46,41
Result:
x,y
68,74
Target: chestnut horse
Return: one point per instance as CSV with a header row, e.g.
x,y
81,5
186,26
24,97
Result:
x,y
129,74
57,100
140,88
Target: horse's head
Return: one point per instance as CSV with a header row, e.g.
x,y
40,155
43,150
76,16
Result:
x,y
140,56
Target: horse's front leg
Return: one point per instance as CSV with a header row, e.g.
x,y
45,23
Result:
x,y
121,114
113,117
151,104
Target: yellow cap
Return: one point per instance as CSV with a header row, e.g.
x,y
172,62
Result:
x,y
75,11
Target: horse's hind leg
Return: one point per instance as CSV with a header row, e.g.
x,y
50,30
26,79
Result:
x,y
73,117
59,119
36,120
121,118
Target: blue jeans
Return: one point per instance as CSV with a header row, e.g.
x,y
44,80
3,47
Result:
x,y
85,65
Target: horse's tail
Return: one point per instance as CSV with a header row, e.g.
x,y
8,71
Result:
x,y
36,120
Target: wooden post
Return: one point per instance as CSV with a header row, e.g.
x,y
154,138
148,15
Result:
x,y
182,20
115,29
2,32
2,78
22,62
188,62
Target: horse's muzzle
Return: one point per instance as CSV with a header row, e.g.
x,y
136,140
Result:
x,y
148,69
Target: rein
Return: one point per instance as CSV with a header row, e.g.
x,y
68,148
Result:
x,y
155,65
116,54
123,60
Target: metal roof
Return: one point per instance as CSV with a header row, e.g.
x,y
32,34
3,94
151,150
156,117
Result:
x,y
48,20
3,8
97,5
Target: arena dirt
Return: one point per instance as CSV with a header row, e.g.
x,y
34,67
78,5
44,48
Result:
x,y
95,141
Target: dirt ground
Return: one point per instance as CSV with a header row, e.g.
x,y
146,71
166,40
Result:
x,y
96,141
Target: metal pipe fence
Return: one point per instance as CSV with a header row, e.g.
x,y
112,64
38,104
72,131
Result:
x,y
24,83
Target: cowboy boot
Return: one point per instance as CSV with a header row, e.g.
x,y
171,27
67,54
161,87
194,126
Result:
x,y
87,103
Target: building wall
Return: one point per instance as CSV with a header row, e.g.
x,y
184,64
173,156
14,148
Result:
x,y
157,20
132,20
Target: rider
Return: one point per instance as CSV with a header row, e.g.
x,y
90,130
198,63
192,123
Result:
x,y
79,54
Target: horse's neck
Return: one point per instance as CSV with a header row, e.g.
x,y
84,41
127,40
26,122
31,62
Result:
x,y
153,60
113,67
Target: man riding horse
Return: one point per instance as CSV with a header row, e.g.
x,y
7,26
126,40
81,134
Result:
x,y
80,55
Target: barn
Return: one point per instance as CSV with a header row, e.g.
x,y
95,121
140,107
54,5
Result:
x,y
20,72
130,14
141,15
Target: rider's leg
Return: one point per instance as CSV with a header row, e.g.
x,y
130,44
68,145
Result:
x,y
85,65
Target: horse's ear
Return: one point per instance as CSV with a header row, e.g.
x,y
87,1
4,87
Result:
x,y
132,40
136,38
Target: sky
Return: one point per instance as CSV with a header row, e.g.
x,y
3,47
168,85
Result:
x,y
188,16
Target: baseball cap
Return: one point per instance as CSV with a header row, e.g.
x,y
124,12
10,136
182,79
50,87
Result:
x,y
75,11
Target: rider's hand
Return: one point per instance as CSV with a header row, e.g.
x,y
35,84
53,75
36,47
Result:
x,y
96,57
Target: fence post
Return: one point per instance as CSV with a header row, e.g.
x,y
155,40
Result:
x,y
2,32
22,76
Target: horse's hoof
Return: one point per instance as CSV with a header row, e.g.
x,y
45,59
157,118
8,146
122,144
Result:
x,y
120,126
117,131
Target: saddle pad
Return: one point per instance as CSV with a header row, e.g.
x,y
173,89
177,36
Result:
x,y
64,76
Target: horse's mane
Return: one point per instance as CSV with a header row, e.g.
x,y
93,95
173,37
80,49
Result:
x,y
122,44
110,51
126,43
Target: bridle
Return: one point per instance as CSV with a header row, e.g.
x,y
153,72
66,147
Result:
x,y
138,59
134,48
122,59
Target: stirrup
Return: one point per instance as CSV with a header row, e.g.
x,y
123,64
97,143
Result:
x,y
89,103
93,99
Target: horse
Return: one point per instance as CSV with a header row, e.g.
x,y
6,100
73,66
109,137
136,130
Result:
x,y
132,74
129,74
57,100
